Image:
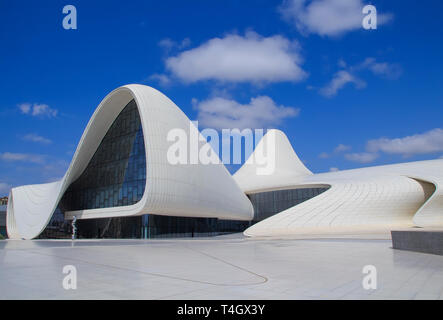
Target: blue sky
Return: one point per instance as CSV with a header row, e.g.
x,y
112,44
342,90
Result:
x,y
345,96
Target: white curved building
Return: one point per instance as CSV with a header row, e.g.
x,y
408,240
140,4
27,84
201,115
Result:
x,y
120,173
359,200
162,189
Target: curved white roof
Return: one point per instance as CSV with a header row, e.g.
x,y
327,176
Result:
x,y
192,190
382,197
286,167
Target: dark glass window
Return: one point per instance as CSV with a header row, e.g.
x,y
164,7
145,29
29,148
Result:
x,y
140,227
267,204
155,226
116,174
58,227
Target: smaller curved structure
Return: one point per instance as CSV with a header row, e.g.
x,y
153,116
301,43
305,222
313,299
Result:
x,y
283,168
359,200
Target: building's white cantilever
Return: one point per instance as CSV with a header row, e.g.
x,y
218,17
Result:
x,y
176,190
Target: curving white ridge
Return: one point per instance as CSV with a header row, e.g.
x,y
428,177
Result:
x,y
177,190
287,167
382,197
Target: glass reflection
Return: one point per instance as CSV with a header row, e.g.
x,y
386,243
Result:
x,y
116,174
268,203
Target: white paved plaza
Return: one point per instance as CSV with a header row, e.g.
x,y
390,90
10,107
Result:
x,y
228,267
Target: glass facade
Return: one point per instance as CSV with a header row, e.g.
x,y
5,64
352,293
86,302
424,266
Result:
x,y
116,174
147,226
3,232
116,228
267,204
58,227
172,227
150,226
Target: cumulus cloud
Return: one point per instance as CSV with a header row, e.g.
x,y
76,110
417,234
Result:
x,y
349,74
236,58
422,143
25,108
363,157
428,142
22,157
338,149
383,69
326,17
342,148
340,79
37,110
169,44
36,138
166,43
162,79
260,112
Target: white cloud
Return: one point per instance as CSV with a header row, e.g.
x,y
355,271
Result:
x,y
338,149
260,112
23,157
162,79
324,155
363,157
168,44
25,108
428,142
43,110
423,143
37,110
340,79
334,169
348,74
236,58
342,148
327,17
36,138
4,188
383,69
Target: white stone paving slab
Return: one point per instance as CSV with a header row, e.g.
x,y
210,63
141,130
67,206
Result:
x,y
229,267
